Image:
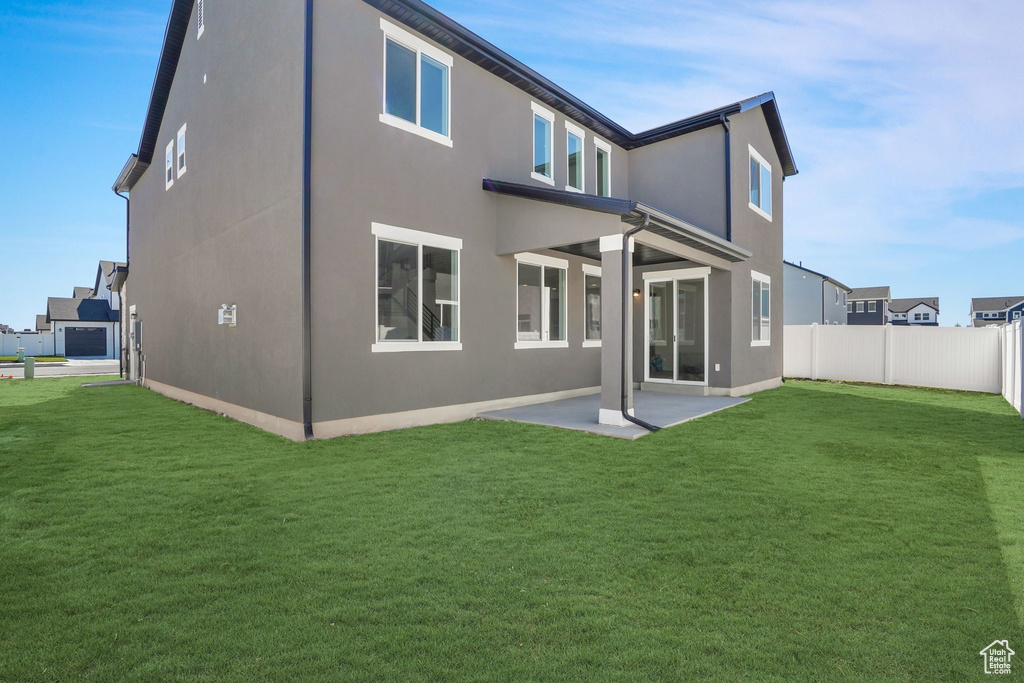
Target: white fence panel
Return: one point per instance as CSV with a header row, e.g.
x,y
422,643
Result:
x,y
965,358
1011,350
796,350
851,352
34,344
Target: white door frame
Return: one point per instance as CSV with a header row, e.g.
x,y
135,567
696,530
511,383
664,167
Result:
x,y
675,277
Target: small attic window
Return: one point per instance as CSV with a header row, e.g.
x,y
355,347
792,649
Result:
x,y
199,13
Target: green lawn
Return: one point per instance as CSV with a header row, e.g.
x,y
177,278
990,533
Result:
x,y
39,359
819,531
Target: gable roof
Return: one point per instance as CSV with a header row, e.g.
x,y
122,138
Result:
x,y
904,305
862,293
83,293
443,30
79,310
837,283
106,270
42,324
995,303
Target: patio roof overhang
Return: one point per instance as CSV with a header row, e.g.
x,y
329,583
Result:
x,y
664,232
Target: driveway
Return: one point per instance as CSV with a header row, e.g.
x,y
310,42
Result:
x,y
71,368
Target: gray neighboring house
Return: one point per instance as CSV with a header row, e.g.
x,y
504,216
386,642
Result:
x,y
812,297
996,310
83,293
916,312
363,216
43,326
868,306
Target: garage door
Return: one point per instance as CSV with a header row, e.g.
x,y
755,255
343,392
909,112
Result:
x,y
85,341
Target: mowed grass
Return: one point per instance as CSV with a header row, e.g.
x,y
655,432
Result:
x,y
39,359
820,531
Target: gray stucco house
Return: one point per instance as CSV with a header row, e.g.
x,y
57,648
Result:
x,y
812,297
996,310
363,216
868,306
919,311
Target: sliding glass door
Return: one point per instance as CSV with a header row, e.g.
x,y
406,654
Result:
x,y
677,319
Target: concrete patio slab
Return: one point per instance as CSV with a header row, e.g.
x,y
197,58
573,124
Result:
x,y
580,413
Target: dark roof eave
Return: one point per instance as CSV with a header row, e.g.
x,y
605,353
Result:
x,y
631,212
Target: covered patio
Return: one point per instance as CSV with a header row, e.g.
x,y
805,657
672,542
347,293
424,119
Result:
x,y
622,236
581,413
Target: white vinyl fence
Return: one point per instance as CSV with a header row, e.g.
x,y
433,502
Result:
x,y
986,359
33,343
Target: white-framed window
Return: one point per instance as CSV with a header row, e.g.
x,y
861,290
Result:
x,y
418,290
603,166
169,166
591,305
917,316
860,306
837,297
761,308
181,151
849,307
574,166
543,144
872,307
541,302
760,184
200,19
1016,315
417,85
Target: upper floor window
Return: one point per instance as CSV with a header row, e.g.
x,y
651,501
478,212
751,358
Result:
x,y
760,184
543,142
417,290
169,166
860,306
540,301
837,297
181,151
604,168
849,307
1016,315
417,91
199,19
872,306
574,157
761,305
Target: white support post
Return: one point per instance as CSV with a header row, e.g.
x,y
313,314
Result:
x,y
1020,364
888,373
814,351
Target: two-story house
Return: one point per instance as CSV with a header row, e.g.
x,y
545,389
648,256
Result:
x,y
996,310
920,311
812,297
361,215
868,306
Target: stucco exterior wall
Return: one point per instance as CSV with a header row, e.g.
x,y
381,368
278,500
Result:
x,y
754,364
228,231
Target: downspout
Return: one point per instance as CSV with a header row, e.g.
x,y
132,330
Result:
x,y
627,266
127,262
728,179
307,195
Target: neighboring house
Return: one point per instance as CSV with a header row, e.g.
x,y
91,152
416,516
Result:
x,y
83,293
996,310
812,297
920,311
469,219
43,326
84,328
868,306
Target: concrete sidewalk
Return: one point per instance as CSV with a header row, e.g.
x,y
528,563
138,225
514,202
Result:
x,y
72,368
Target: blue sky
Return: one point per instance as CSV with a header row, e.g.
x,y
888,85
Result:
x,y
903,117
